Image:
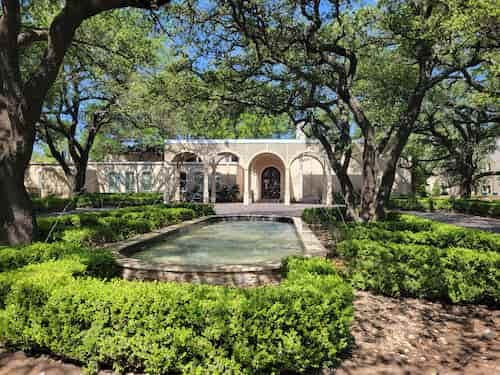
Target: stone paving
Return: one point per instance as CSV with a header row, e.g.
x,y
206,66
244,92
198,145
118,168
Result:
x,y
279,209
462,220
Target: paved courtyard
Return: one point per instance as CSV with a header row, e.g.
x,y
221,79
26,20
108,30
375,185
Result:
x,y
278,209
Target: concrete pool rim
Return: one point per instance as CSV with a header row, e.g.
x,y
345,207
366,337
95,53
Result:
x,y
225,274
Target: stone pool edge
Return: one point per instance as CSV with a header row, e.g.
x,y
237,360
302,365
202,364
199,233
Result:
x,y
218,274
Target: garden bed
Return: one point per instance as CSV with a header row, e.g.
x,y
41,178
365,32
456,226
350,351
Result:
x,y
116,225
95,200
416,257
65,298
66,308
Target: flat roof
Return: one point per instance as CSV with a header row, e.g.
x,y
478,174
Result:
x,y
239,141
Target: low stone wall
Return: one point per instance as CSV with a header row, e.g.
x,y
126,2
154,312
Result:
x,y
243,275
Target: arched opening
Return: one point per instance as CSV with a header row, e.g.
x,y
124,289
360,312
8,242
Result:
x,y
270,184
266,178
186,157
226,177
308,178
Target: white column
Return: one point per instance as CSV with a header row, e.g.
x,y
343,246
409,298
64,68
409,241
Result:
x,y
287,186
167,184
213,187
329,185
300,191
177,184
246,189
206,197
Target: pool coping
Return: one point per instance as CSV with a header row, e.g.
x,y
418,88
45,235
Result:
x,y
311,245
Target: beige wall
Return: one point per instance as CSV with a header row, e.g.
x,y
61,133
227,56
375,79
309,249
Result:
x,y
49,179
300,163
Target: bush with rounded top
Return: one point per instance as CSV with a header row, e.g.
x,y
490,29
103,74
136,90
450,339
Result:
x,y
300,325
115,225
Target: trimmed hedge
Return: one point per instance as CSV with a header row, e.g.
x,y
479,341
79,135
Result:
x,y
418,231
323,215
468,206
115,225
95,200
411,256
299,325
110,200
98,262
453,274
53,204
99,200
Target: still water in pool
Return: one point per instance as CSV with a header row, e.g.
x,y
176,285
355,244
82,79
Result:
x,y
230,242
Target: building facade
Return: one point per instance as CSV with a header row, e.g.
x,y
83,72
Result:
x,y
248,170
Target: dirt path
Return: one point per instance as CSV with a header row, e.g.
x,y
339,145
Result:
x,y
415,336
412,336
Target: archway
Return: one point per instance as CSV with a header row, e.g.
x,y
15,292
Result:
x,y
312,179
267,171
270,184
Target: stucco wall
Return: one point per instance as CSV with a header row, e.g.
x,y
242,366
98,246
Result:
x,y
300,161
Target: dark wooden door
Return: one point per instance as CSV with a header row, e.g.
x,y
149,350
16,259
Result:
x,y
271,184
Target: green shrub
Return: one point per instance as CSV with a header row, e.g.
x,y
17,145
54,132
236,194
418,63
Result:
x,y
477,207
114,225
299,325
12,258
323,215
453,274
102,200
421,204
468,206
99,200
53,204
433,234
407,255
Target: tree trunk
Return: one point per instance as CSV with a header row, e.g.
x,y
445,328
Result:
x,y
466,186
413,182
369,186
348,193
79,178
16,212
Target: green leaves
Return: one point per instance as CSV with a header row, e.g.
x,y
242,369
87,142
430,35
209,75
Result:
x,y
300,325
410,256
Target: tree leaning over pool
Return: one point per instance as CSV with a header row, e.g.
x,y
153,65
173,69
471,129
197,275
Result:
x,y
22,93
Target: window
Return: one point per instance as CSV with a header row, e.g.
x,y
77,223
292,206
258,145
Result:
x,y
146,181
129,182
114,182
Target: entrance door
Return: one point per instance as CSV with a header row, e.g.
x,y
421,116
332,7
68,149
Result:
x,y
271,186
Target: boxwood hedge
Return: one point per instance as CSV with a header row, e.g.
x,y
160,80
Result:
x,y
468,206
115,225
102,200
158,328
410,256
